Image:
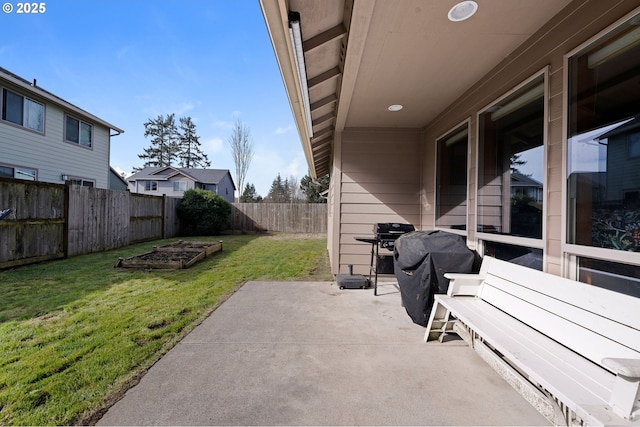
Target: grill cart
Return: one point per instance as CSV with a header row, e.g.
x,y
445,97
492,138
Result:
x,y
384,236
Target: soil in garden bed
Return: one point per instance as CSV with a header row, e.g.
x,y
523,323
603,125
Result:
x,y
177,255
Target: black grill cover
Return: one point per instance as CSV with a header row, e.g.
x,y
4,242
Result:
x,y
420,259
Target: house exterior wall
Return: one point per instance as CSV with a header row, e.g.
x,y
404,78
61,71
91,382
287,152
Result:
x,y
225,189
164,187
48,153
378,175
577,23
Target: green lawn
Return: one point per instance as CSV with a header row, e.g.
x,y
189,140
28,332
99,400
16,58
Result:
x,y
76,333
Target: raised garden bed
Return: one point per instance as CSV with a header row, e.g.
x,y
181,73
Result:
x,y
174,256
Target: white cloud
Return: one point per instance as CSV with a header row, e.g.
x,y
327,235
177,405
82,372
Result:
x,y
293,167
222,124
283,130
120,170
213,145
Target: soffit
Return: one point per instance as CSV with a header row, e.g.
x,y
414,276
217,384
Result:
x,y
398,52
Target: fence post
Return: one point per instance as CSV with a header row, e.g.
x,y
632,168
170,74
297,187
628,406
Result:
x,y
164,216
65,226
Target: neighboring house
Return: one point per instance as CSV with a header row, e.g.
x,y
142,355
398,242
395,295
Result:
x,y
116,181
45,138
173,181
525,185
415,114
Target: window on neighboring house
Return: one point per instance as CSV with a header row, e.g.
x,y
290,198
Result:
x,y
22,111
78,132
511,164
151,185
180,186
603,152
451,179
82,182
18,172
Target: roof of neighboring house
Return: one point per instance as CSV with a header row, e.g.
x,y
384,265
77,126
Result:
x,y
164,173
524,180
33,88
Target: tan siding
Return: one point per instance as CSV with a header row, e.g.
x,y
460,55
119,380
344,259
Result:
x,y
380,182
577,23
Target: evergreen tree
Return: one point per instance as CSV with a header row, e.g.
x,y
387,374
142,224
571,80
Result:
x,y
249,195
313,189
516,162
279,191
191,156
164,147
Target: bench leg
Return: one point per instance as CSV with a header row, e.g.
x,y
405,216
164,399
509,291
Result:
x,y
439,323
625,397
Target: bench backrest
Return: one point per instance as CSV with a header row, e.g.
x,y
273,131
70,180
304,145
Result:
x,y
592,321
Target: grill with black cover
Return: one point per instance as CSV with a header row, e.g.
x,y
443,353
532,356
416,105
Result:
x,y
421,258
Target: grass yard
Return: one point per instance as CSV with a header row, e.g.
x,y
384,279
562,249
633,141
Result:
x,y
76,333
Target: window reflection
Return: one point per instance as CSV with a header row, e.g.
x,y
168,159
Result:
x,y
603,161
451,180
511,164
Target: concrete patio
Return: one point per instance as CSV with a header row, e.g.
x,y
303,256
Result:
x,y
308,353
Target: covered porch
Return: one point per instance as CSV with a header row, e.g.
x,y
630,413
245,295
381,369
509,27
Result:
x,y
477,126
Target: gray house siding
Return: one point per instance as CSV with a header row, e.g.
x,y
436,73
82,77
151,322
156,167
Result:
x,y
165,180
47,152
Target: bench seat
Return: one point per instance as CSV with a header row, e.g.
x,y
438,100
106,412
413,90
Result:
x,y
551,333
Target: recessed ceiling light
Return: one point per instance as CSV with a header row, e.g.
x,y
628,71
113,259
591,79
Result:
x,y
395,107
463,10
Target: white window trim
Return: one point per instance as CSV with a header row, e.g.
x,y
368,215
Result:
x,y
80,121
465,232
515,240
22,126
569,251
14,167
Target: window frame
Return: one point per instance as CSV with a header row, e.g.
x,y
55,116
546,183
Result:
x,y
179,184
570,252
80,123
530,242
16,167
149,184
3,91
451,132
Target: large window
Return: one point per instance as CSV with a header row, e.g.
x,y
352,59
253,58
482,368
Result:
x,y
603,153
22,111
451,179
511,163
78,132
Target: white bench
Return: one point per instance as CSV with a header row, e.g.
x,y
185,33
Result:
x,y
571,349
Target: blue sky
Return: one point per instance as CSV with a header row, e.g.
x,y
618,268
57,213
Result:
x,y
129,61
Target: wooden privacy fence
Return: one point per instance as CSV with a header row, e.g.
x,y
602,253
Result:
x,y
286,217
50,221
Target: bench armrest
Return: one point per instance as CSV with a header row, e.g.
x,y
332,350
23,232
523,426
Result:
x,y
463,284
629,368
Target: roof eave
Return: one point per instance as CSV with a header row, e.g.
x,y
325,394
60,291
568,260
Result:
x,y
275,11
58,101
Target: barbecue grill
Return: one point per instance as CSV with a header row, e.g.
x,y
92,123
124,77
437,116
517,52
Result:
x,y
384,236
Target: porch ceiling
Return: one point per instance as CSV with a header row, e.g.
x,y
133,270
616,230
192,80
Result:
x,y
362,56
